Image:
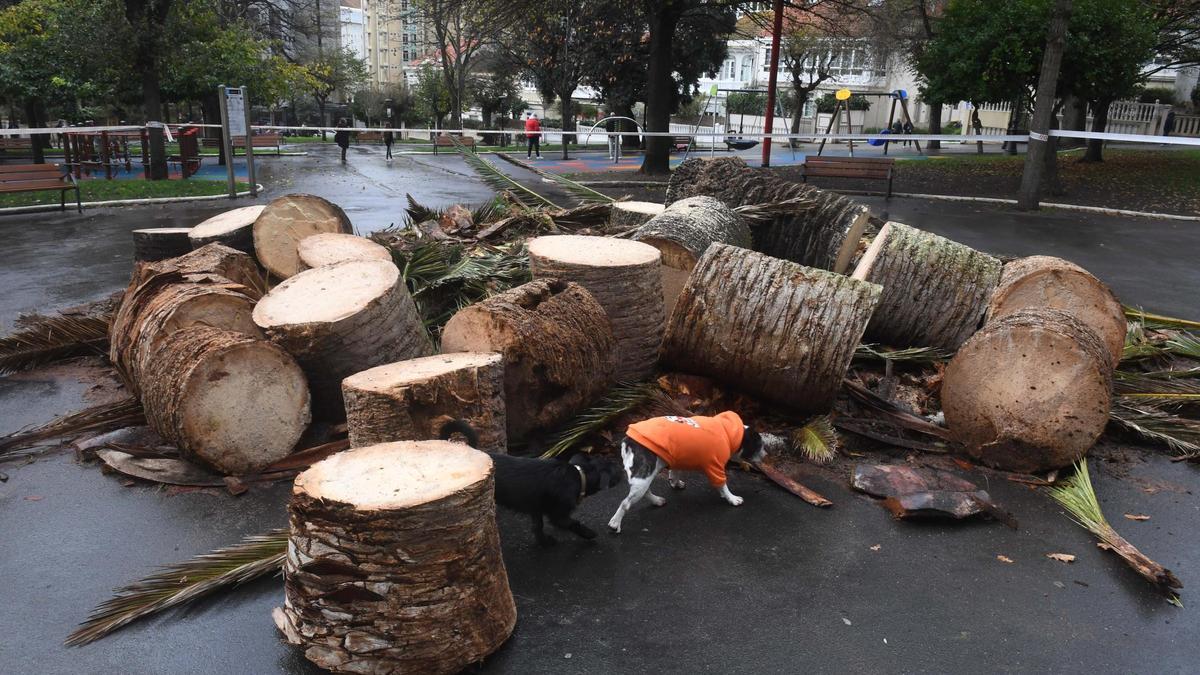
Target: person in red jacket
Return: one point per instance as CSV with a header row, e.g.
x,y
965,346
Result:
x,y
533,134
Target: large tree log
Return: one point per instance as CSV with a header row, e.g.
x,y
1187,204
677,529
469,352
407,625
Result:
x,y
935,291
286,221
1030,391
1054,283
683,232
225,399
331,248
558,346
341,319
213,262
233,228
412,400
394,561
160,243
821,229
625,216
768,326
625,277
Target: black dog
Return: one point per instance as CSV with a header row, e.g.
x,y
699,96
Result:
x,y
544,488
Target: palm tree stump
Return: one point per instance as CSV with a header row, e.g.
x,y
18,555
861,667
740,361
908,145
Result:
x,y
558,347
394,562
769,327
412,400
160,243
286,221
625,216
1054,283
233,228
339,320
213,262
683,232
625,277
935,291
225,399
1030,391
331,248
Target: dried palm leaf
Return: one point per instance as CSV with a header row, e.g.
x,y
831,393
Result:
x,y
183,582
41,339
419,213
910,355
500,181
770,210
1078,497
108,417
579,191
817,439
1180,434
1158,320
624,397
588,215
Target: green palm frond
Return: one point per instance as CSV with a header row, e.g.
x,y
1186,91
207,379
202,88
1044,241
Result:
x,y
579,191
99,419
184,582
1184,344
1180,434
622,398
41,339
1163,386
500,181
872,352
1158,320
419,213
817,440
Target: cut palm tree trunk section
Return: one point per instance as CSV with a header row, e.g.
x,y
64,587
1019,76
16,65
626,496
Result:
x,y
558,347
285,222
160,243
624,277
227,400
394,561
413,400
628,215
340,319
769,327
1054,283
683,232
1029,392
330,248
207,262
935,291
233,228
821,230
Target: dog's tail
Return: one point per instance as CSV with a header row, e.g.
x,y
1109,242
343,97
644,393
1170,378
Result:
x,y
457,426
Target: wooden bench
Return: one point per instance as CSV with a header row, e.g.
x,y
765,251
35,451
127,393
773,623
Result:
x,y
443,141
870,168
369,137
256,141
39,178
681,143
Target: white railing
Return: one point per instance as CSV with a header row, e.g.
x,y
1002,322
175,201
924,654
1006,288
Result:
x,y
1134,112
701,141
1187,125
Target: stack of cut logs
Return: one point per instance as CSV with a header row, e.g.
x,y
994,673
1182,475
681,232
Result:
x,y
774,305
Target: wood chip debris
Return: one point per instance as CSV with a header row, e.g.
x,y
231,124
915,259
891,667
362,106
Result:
x,y
1137,516
1061,557
1005,559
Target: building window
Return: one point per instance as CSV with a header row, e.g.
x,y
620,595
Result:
x,y
766,67
747,64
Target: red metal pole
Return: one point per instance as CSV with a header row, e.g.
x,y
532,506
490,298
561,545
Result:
x,y
776,29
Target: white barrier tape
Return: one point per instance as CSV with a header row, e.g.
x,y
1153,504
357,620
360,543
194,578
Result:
x,y
1033,135
63,130
1131,138
166,130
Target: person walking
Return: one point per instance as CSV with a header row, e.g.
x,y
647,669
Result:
x,y
533,135
342,137
1169,123
388,139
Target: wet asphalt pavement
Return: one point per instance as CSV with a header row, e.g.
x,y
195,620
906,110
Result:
x,y
696,586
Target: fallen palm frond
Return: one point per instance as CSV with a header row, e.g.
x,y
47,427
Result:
x,y
1078,497
910,355
419,213
579,191
443,277
1160,387
1158,320
500,181
620,399
769,210
1184,344
41,339
777,476
817,439
108,417
1180,434
587,215
892,412
183,582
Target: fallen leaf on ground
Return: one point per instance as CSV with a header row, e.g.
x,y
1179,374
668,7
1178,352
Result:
x,y
1005,559
1061,557
847,621
876,547
1137,516
33,498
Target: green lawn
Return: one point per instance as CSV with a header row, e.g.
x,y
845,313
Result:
x,y
105,190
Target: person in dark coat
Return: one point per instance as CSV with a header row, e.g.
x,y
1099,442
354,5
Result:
x,y
1169,123
342,136
388,139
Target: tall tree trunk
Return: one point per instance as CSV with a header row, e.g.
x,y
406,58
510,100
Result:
x,y
1075,119
568,124
1052,186
37,142
210,106
1043,109
935,124
630,142
152,101
1095,146
660,90
800,96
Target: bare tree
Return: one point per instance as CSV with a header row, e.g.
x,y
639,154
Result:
x,y
463,31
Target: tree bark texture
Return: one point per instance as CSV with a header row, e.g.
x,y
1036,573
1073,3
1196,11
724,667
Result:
x,y
935,291
625,216
660,86
769,327
1095,146
413,400
160,243
233,228
1032,185
1029,392
1054,283
287,220
558,346
342,319
212,262
625,277
331,248
383,585
225,399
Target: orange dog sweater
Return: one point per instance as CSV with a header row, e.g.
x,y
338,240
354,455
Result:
x,y
692,443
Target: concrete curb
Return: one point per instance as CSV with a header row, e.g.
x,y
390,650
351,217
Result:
x,y
13,210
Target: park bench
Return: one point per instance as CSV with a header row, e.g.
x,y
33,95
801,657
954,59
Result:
x,y
39,178
369,137
870,168
15,143
444,141
681,143
256,141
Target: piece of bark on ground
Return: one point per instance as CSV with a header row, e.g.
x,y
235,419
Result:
x,y
922,493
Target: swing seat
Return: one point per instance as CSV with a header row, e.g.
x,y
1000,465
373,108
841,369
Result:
x,y
879,141
737,143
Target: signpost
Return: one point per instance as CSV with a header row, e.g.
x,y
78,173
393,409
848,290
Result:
x,y
235,121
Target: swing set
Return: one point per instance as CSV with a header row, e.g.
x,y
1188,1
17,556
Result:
x,y
898,97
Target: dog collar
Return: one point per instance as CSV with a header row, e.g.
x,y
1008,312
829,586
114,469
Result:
x,y
582,483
